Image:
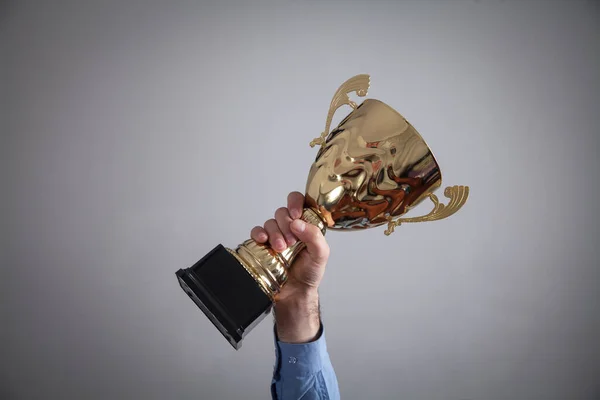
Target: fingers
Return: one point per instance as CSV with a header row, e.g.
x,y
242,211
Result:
x,y
277,231
275,236
259,234
295,204
282,216
316,246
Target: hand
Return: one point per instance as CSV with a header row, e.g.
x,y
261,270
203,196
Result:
x,y
297,305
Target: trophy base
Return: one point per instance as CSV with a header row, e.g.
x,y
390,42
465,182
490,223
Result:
x,y
228,295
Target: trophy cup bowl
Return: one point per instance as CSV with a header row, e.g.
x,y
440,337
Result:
x,y
369,171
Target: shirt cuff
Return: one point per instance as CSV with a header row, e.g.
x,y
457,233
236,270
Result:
x,y
300,359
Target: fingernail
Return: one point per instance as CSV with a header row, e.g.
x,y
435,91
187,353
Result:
x,y
262,236
298,225
279,244
295,214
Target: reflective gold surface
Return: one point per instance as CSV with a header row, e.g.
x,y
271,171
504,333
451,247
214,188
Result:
x,y
373,167
370,170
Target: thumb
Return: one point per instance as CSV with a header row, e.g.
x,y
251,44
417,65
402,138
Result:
x,y
316,246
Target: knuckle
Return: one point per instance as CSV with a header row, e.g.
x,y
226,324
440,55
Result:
x,y
314,230
295,196
314,234
270,224
323,243
281,212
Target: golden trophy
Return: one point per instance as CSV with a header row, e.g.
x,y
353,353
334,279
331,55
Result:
x,y
369,171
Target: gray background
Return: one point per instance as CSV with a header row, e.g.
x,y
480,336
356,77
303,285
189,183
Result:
x,y
138,135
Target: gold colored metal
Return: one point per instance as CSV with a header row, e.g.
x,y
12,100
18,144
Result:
x,y
457,195
373,167
268,267
360,85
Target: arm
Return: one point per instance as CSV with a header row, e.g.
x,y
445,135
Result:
x,y
303,370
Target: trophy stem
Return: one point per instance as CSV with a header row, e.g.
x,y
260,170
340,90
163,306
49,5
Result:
x,y
268,267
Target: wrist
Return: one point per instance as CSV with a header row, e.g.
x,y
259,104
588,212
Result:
x,y
297,317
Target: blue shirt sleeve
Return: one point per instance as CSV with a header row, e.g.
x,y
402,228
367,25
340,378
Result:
x,y
304,371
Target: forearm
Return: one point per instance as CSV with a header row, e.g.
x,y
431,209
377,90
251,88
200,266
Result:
x,y
303,368
297,318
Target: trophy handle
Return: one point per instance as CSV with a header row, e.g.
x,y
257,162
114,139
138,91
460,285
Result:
x,y
458,197
360,85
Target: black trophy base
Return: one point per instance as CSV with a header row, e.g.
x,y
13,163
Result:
x,y
228,295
